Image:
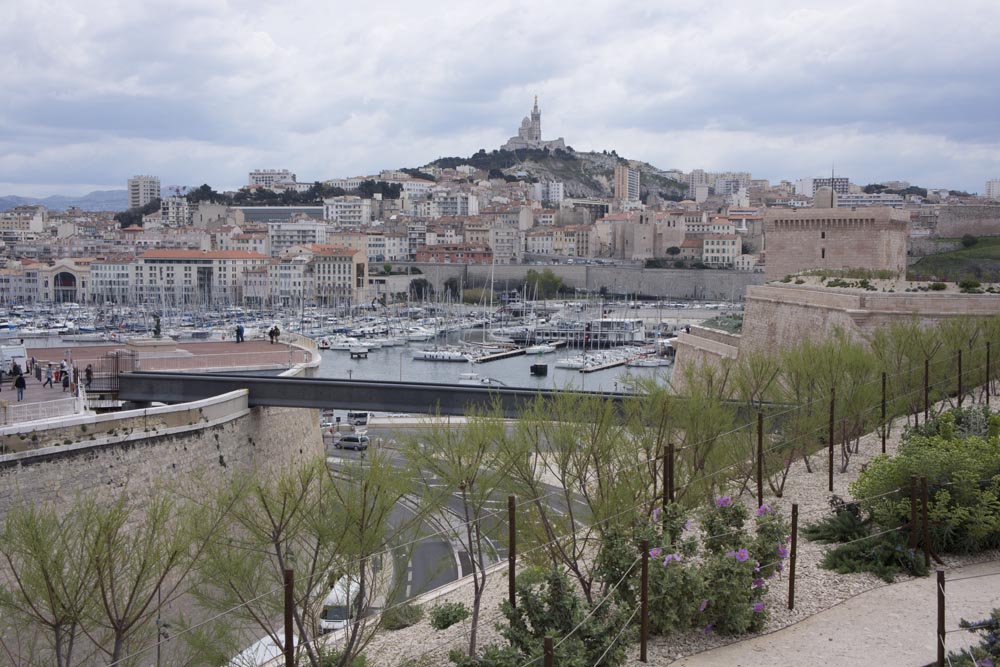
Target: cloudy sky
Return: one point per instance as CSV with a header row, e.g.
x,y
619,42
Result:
x,y
198,91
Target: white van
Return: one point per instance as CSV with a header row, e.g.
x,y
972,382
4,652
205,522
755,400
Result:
x,y
13,353
339,605
357,418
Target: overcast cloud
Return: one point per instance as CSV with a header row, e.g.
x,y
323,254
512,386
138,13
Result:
x,y
198,91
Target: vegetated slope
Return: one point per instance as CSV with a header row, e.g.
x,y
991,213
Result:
x,y
582,174
981,261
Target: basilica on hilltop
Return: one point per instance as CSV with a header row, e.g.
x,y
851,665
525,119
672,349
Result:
x,y
530,134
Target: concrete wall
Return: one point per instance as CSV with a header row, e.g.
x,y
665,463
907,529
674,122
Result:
x,y
142,449
701,346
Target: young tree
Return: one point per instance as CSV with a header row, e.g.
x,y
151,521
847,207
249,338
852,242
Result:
x,y
463,462
50,578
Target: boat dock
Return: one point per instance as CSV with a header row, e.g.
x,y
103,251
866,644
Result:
x,y
605,365
514,352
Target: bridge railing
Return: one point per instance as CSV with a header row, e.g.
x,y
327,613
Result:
x,y
278,358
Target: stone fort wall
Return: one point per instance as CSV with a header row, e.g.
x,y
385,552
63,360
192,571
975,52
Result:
x,y
138,452
955,221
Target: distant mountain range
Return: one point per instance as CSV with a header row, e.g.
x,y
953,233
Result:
x,y
99,200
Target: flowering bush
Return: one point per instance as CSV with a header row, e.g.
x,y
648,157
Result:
x,y
770,545
733,603
675,589
723,524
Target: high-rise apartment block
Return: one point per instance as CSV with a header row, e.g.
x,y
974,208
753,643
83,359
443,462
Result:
x,y
839,184
993,189
142,190
626,183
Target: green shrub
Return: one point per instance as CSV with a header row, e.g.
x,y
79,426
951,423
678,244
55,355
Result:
x,y
844,525
403,616
448,614
723,525
969,240
968,285
938,286
333,658
987,652
963,484
734,606
885,556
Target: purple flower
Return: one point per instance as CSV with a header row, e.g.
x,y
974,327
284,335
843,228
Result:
x,y
756,566
656,514
655,552
701,608
758,607
984,662
709,627
780,567
724,501
742,555
671,557
687,525
782,551
764,509
759,583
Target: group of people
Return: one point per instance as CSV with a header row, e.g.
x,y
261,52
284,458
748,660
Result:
x,y
273,334
63,374
239,333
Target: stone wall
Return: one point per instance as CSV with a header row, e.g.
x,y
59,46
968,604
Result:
x,y
713,285
956,221
701,346
141,450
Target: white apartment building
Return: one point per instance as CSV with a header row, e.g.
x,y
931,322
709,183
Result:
x,y
290,281
175,212
283,235
348,210
549,191
387,247
111,280
142,190
993,189
538,242
341,275
852,200
720,250
506,244
173,277
266,178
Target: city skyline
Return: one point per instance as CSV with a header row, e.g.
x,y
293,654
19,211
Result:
x,y
204,93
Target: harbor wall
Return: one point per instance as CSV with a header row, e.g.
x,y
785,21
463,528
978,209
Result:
x,y
703,284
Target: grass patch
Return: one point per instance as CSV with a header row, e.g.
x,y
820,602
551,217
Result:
x,y
729,323
980,261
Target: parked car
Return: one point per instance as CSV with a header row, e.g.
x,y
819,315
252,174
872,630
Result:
x,y
352,441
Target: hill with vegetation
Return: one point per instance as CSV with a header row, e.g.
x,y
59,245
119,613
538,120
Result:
x,y
582,174
978,259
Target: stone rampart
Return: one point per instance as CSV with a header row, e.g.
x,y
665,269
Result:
x,y
956,221
700,346
140,450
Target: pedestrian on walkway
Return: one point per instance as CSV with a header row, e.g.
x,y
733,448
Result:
x,y
88,376
48,375
31,366
20,384
65,381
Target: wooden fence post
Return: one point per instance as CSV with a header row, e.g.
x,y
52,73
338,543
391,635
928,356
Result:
x,y
960,378
547,649
940,618
885,426
792,556
289,626
760,459
511,551
833,404
925,522
927,389
913,512
989,382
644,612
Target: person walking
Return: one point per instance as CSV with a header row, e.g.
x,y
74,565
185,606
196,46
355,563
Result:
x,y
20,384
239,333
65,381
88,375
48,375
277,332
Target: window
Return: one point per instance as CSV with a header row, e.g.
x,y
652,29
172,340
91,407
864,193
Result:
x,y
822,253
822,235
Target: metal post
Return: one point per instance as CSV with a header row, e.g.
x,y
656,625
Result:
x,y
792,555
833,405
548,652
925,521
760,459
289,603
940,618
644,613
913,512
960,378
927,388
885,427
511,551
